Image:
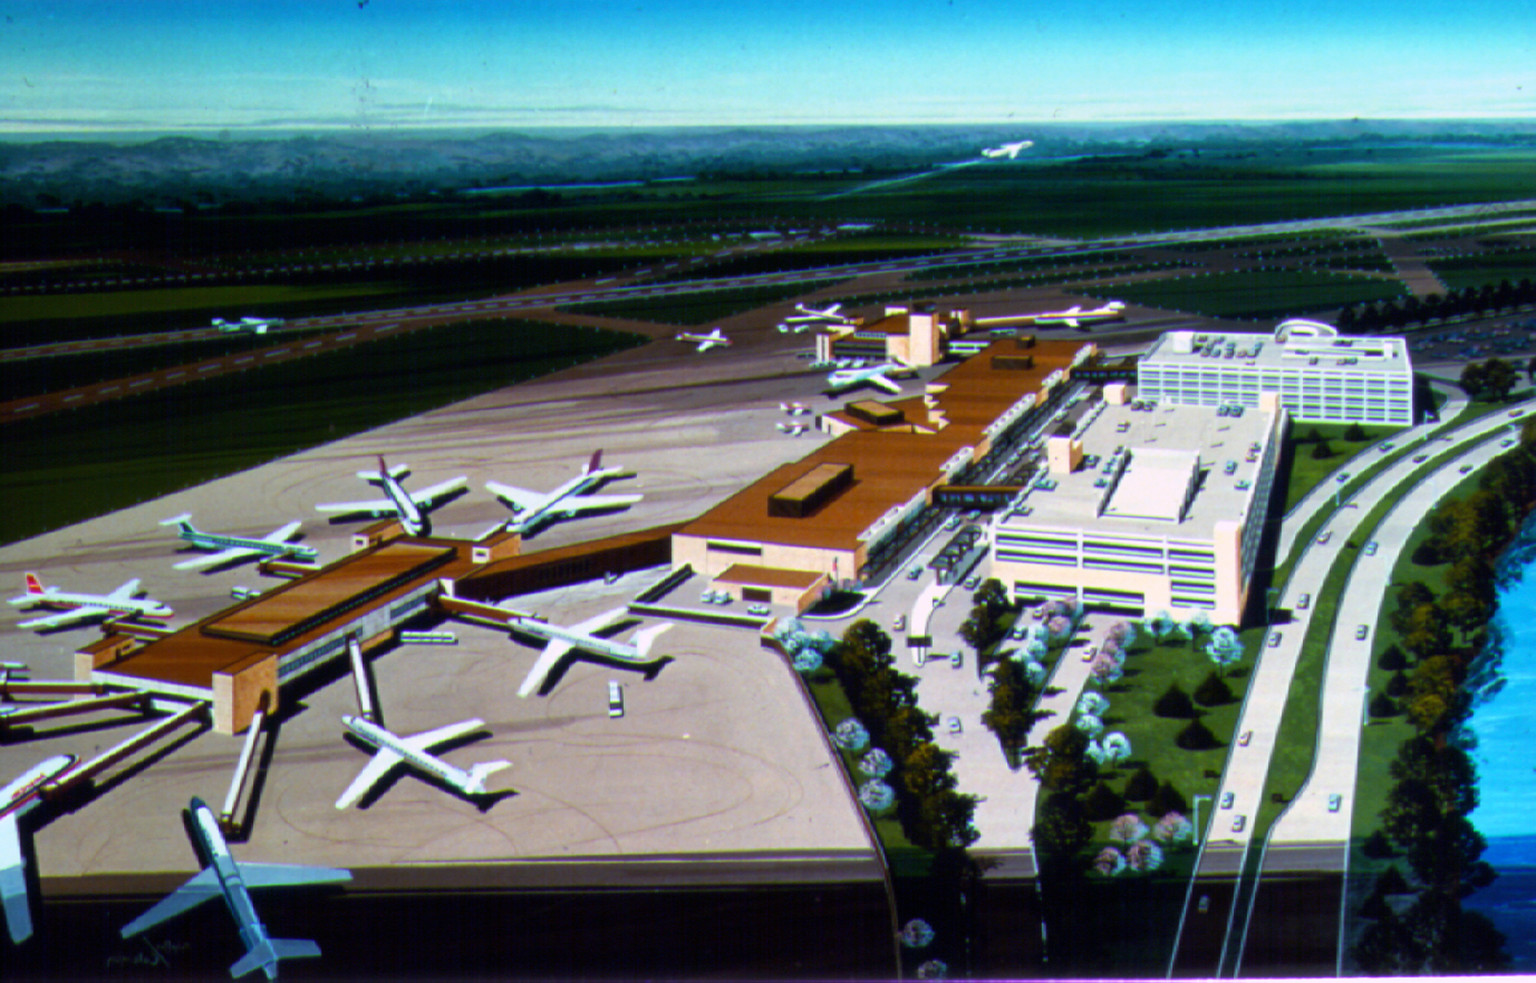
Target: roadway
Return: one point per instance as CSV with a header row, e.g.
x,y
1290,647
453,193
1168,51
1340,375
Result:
x,y
1240,794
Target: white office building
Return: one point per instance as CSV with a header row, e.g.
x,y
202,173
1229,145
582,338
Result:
x,y
1145,510
1317,376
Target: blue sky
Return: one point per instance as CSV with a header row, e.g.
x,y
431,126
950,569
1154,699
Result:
x,y
244,64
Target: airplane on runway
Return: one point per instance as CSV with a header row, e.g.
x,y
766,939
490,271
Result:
x,y
255,325
1009,150
794,409
235,548
715,339
415,750
531,509
792,329
1075,316
411,507
224,877
561,641
16,799
818,315
793,429
79,608
874,375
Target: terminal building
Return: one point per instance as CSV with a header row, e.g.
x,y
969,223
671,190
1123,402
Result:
x,y
1144,508
1318,376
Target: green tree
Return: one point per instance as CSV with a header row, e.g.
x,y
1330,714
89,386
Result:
x,y
1062,764
1102,803
1213,691
1498,379
1141,786
1196,737
1322,450
1174,703
1473,380
1061,830
1165,800
1426,632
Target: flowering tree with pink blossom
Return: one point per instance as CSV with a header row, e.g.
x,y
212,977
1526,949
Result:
x,y
1060,628
1105,671
1128,829
1144,855
1173,828
1123,634
1109,862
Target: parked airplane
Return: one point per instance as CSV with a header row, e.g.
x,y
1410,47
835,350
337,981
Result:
x,y
531,509
255,325
78,608
416,751
560,641
1009,150
874,375
224,877
793,429
411,507
235,548
714,339
792,329
794,409
1075,316
16,799
818,315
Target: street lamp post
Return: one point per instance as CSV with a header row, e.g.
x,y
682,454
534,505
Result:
x,y
1197,815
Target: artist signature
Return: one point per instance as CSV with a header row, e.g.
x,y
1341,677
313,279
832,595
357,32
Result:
x,y
153,954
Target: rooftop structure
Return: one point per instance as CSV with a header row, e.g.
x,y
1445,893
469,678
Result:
x,y
873,482
1163,509
911,337
1317,375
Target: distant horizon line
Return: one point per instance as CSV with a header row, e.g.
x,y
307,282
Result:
x,y
224,131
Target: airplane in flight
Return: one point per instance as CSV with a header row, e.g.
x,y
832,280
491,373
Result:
x,y
874,375
255,325
411,507
560,641
818,315
226,878
16,799
1008,150
80,608
1075,316
232,549
415,750
531,510
715,339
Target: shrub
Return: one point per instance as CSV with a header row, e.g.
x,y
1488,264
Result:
x,y
1141,786
850,735
1391,882
876,795
1392,660
1397,685
1165,800
1377,846
1196,737
1322,450
1102,803
1383,705
876,764
1213,691
1174,703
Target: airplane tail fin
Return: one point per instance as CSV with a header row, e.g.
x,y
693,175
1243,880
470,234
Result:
x,y
184,520
597,461
479,772
34,586
265,954
646,637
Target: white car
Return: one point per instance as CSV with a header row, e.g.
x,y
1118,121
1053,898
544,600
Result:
x,y
954,725
900,623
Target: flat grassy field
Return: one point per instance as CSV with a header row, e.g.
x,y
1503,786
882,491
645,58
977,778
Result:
x,y
1259,293
174,438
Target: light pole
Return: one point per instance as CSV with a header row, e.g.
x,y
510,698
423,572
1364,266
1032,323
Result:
x,y
1197,815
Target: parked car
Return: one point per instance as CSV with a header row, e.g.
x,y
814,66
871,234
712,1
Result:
x,y
1274,639
954,725
1327,535
1370,548
957,659
759,609
1334,801
901,623
1362,631
1245,738
1238,823
1303,601
1226,800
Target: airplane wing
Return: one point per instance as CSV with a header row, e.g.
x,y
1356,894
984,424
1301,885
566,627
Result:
x,y
518,498
378,507
887,384
127,591
202,886
287,875
577,504
377,767
216,559
547,660
281,535
1070,322
428,497
599,621
429,739
13,881
65,618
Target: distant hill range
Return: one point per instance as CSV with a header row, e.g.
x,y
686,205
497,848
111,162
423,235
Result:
x,y
183,171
